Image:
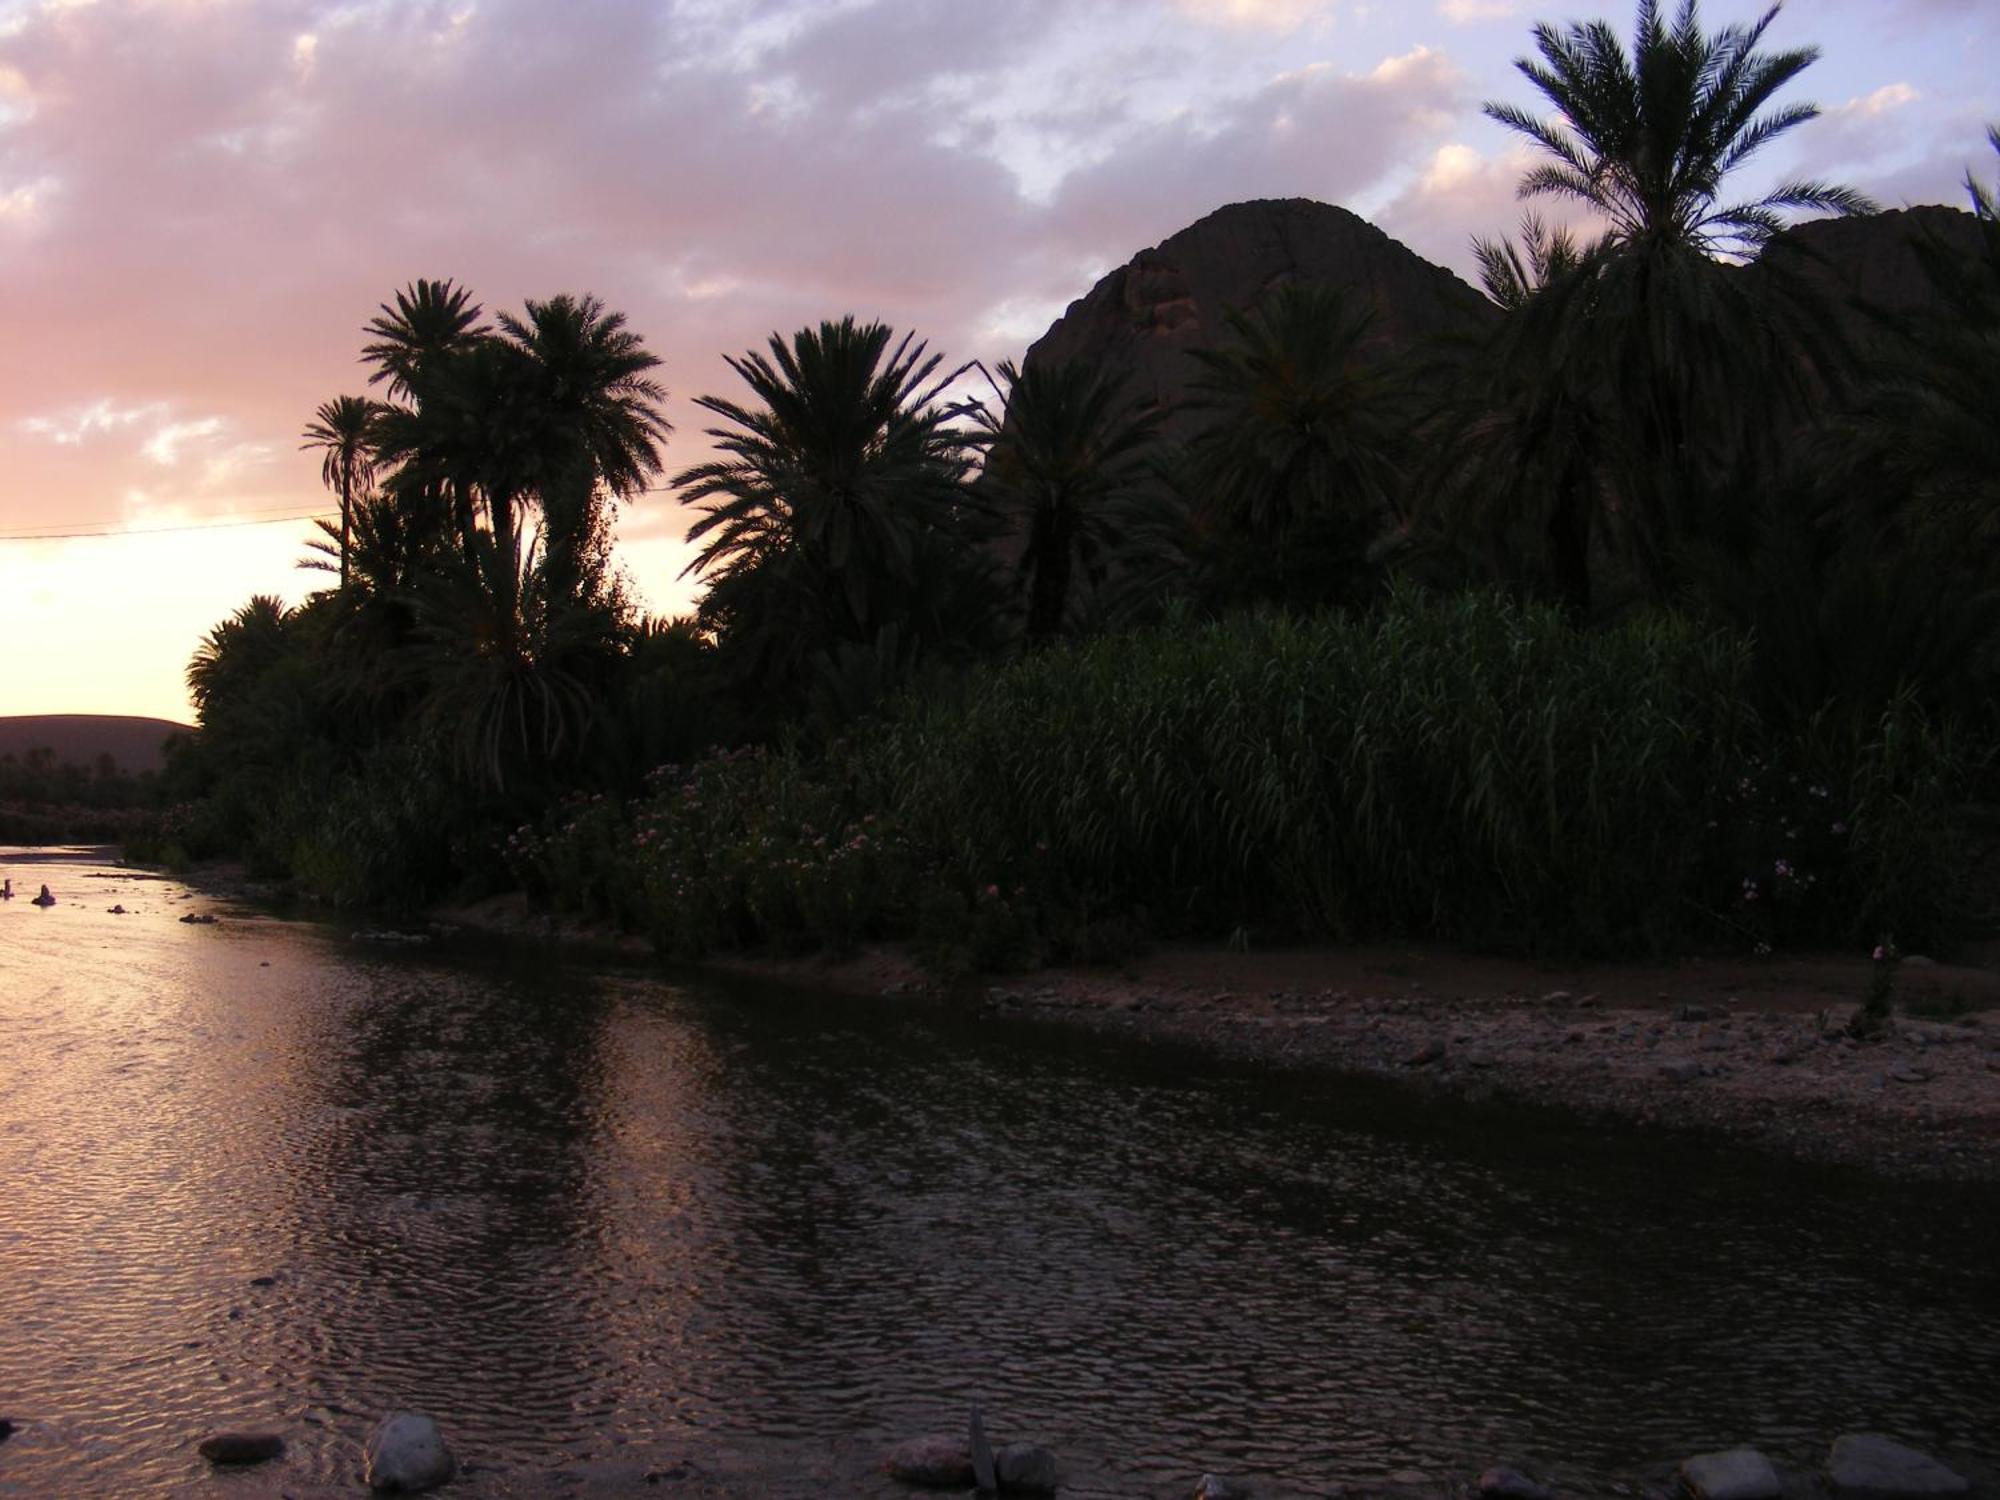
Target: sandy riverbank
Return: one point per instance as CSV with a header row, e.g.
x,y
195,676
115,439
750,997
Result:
x,y
1752,1051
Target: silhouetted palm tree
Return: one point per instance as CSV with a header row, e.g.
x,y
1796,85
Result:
x,y
849,455
1666,383
1071,458
1511,274
343,430
1647,139
1304,438
427,319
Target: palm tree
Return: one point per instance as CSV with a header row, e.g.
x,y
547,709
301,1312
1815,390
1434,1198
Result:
x,y
1302,447
596,410
343,429
235,653
1645,140
848,458
1669,382
1071,457
428,319
1512,274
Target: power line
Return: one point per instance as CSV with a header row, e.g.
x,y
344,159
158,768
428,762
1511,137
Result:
x,y
289,515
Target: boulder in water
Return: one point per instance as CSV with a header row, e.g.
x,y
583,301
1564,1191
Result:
x,y
934,1462
1026,1468
228,1448
1739,1474
1868,1466
407,1454
1503,1483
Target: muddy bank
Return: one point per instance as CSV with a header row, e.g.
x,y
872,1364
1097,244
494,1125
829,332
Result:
x,y
1753,1052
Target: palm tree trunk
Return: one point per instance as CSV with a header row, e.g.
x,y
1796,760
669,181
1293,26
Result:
x,y
346,520
1048,593
1569,543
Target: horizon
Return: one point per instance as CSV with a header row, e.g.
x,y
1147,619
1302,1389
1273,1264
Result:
x,y
200,205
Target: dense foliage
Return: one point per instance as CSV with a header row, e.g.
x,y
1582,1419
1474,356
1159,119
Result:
x,y
1663,614
1466,769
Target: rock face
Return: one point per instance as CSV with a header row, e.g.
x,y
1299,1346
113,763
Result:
x,y
1871,261
1868,1466
935,1462
407,1454
1739,1474
1144,317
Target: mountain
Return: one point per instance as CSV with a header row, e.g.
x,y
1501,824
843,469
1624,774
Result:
x,y
79,739
1143,317
1868,267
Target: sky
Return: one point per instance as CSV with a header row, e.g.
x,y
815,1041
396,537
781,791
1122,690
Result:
x,y
203,201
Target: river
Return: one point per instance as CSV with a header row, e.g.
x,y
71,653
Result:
x,y
600,1222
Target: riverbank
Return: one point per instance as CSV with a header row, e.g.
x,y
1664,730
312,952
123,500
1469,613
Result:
x,y
1751,1050
1755,1052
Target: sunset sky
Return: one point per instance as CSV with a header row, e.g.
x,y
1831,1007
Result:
x,y
202,201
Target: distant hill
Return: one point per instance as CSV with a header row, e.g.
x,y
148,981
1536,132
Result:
x,y
1142,318
79,739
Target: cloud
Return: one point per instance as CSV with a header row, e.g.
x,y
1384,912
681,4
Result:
x,y
1269,15
1465,12
1314,132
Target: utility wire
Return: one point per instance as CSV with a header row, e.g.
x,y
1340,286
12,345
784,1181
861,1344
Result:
x,y
264,520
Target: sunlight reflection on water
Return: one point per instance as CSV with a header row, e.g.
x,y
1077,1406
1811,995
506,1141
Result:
x,y
593,1220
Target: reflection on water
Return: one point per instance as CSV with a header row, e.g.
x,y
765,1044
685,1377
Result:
x,y
257,1175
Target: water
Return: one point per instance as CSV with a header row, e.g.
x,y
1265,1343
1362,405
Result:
x,y
599,1223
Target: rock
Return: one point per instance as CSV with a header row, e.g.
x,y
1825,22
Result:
x,y
1680,1070
1503,1483
1691,1013
1028,1468
982,1454
6,1429
1425,1055
1868,1466
1910,1073
935,1462
241,1447
198,919
1216,1487
1739,1474
407,1454
1918,961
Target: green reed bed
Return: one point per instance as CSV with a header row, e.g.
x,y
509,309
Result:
x,y
1465,769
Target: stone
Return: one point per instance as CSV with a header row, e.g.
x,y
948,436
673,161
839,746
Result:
x,y
1739,1474
241,1447
1026,1468
934,1462
1680,1070
1219,1487
1869,1466
1691,1013
406,1454
1503,1483
1910,1073
6,1429
198,919
1425,1055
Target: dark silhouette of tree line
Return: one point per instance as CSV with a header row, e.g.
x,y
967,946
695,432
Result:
x,y
1662,418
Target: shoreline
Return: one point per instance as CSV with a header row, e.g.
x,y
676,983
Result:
x,y
1747,1052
